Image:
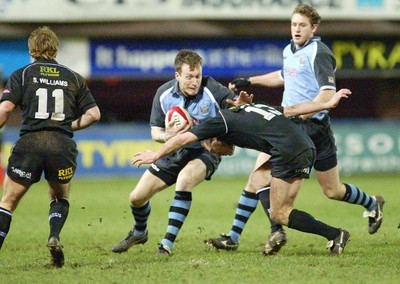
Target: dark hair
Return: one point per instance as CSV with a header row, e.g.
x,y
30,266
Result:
x,y
188,57
309,12
43,44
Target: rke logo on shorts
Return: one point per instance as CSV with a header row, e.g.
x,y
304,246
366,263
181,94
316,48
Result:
x,y
65,173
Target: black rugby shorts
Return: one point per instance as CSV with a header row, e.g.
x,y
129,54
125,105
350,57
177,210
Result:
x,y
168,168
299,167
50,152
321,134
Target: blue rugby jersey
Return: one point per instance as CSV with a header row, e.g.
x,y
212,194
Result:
x,y
306,72
206,104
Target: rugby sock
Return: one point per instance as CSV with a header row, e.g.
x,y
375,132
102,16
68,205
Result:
x,y
247,204
58,213
263,195
355,195
5,221
304,222
177,215
141,215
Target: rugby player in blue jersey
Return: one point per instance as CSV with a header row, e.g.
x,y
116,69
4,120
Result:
x,y
308,74
202,97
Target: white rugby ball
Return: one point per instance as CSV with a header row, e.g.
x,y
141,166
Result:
x,y
179,116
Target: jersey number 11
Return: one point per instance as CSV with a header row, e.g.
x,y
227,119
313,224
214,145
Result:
x,y
58,114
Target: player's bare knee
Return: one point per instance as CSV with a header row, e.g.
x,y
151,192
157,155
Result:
x,y
135,200
187,182
252,185
183,185
332,193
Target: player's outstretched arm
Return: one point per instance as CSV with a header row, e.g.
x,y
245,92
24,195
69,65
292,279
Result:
x,y
271,80
315,106
218,147
172,145
162,136
237,83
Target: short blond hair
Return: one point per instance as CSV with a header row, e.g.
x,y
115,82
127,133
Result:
x,y
43,44
309,12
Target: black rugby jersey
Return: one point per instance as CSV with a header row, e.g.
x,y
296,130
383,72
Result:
x,y
50,95
258,126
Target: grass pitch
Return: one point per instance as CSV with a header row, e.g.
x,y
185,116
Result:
x,y
100,216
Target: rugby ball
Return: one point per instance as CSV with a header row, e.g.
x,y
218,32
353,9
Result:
x,y
179,116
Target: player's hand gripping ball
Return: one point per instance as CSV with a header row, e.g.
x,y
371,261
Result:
x,y
179,116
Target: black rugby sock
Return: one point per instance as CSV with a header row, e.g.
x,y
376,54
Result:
x,y
58,214
263,195
5,222
304,222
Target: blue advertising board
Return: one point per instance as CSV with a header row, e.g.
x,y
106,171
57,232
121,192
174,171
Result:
x,y
14,54
143,58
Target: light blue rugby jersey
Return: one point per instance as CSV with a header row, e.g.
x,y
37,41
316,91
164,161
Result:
x,y
306,72
210,98
200,108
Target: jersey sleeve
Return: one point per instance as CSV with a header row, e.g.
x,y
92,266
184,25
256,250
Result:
x,y
13,89
324,68
220,92
85,98
157,115
213,127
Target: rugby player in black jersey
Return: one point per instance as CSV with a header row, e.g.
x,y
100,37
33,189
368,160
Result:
x,y
55,101
266,129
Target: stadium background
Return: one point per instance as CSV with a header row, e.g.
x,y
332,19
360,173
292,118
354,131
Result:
x,y
125,49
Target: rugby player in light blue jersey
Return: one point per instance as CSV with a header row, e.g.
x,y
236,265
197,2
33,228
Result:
x,y
308,74
202,97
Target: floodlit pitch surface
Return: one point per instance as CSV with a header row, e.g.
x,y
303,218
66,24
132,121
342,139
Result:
x,y
100,216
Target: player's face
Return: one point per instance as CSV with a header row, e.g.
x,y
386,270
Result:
x,y
189,80
302,30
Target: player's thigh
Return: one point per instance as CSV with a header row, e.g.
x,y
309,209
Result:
x,y
191,175
261,174
25,164
169,167
12,193
147,186
261,161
